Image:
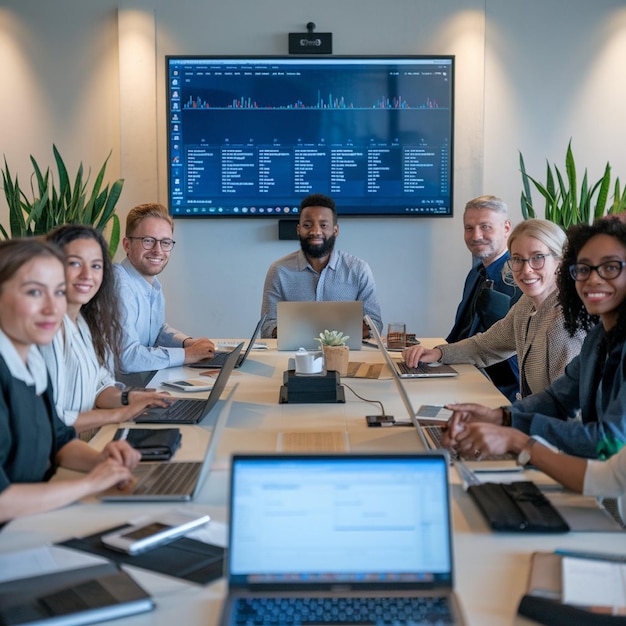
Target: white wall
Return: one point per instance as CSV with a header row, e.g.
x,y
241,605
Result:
x,y
529,76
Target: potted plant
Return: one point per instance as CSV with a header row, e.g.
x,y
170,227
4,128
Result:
x,y
565,203
336,353
48,206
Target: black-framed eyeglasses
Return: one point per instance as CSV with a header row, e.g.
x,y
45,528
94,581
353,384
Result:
x,y
149,243
535,262
607,270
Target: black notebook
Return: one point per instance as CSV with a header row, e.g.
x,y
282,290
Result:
x,y
518,506
155,444
73,597
186,558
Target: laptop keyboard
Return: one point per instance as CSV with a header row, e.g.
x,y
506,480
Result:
x,y
436,434
219,358
382,611
422,368
184,410
168,478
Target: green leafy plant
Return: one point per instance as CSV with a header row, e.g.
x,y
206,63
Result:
x,y
565,202
71,202
332,338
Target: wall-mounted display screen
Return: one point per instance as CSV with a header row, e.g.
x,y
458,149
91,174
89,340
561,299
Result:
x,y
251,136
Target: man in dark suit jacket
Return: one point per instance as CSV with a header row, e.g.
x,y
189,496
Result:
x,y
486,296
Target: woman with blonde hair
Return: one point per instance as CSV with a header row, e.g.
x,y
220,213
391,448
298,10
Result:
x,y
534,328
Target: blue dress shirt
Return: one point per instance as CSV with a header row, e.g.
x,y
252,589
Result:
x,y
148,342
292,278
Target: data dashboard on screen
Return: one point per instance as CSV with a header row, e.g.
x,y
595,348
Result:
x,y
252,136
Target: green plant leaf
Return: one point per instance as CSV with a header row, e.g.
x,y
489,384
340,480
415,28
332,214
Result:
x,y
565,203
114,237
528,210
603,192
70,201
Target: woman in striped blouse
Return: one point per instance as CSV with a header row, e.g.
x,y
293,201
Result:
x,y
84,350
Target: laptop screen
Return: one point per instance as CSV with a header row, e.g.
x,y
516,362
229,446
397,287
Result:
x,y
340,519
300,322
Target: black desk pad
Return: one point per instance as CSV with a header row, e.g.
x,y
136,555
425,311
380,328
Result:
x,y
191,560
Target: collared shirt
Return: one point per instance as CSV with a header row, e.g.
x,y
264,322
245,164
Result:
x,y
292,278
30,432
32,373
77,376
468,322
148,342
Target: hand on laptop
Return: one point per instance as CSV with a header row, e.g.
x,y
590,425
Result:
x,y
198,349
139,401
480,439
416,354
462,415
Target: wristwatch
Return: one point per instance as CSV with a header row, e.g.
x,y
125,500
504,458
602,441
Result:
x,y
125,393
523,457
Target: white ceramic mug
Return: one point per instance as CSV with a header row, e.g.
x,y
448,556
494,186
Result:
x,y
309,362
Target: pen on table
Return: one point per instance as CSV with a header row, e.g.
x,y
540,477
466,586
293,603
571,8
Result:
x,y
597,556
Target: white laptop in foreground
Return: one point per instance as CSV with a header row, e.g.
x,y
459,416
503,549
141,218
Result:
x,y
313,537
299,323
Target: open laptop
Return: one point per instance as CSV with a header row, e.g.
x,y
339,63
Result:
x,y
429,434
175,481
299,323
191,410
219,358
316,531
401,369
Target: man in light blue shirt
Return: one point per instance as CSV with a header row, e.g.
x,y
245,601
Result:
x,y
149,343
318,271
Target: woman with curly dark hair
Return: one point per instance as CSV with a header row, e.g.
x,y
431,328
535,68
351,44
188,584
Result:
x,y
85,348
583,412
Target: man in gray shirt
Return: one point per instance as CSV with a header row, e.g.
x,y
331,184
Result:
x,y
318,271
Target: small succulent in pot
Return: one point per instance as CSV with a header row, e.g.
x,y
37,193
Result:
x,y
332,338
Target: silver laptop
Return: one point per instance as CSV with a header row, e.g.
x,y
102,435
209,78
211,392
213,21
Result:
x,y
219,358
366,533
429,434
299,323
401,369
175,481
192,410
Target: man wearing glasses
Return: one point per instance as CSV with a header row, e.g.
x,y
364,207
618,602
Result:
x,y
487,298
149,342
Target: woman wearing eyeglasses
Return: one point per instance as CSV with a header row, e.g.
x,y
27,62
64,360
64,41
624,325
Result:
x,y
592,287
534,328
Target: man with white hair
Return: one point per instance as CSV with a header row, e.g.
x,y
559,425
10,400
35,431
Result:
x,y
487,297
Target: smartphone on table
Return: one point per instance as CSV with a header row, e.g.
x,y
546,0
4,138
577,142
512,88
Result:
x,y
153,532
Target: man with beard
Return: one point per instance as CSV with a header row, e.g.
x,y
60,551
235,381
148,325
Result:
x,y
318,271
487,296
148,342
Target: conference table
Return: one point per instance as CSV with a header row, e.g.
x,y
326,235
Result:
x,y
491,569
